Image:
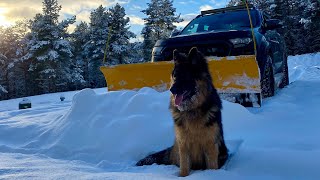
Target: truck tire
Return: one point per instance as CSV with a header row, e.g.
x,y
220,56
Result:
x,y
285,78
267,83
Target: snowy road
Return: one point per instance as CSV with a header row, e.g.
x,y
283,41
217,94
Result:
x,y
100,135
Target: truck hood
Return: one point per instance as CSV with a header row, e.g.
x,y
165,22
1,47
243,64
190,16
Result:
x,y
203,38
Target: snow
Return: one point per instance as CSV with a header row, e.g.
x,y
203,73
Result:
x,y
304,21
95,134
214,58
25,101
272,6
304,67
39,44
3,90
53,55
245,81
48,71
231,58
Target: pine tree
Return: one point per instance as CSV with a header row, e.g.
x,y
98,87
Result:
x,y
301,35
12,48
289,12
158,23
6,50
63,47
148,42
79,62
264,5
3,62
315,26
95,47
311,23
49,50
16,69
233,3
120,35
136,53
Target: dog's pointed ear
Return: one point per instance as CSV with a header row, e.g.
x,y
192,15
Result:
x,y
193,55
196,57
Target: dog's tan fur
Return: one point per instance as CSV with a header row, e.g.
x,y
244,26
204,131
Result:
x,y
195,142
196,110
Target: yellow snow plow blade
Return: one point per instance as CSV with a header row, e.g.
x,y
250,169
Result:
x,y
232,74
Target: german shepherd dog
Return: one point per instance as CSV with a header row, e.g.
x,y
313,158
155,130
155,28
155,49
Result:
x,y
196,110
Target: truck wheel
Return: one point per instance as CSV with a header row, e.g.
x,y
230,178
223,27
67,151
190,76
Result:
x,y
285,78
267,83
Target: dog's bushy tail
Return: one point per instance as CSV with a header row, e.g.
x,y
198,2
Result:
x,y
162,157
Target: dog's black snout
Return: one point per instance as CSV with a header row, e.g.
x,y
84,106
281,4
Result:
x,y
173,90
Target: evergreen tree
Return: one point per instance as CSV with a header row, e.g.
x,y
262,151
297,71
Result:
x,y
158,23
149,39
289,12
120,35
300,33
49,50
12,48
63,47
3,61
265,5
16,68
311,21
95,47
6,52
136,53
80,63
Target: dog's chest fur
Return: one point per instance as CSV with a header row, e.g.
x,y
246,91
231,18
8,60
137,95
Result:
x,y
194,130
196,126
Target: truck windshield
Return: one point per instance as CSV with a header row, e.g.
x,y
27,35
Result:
x,y
233,20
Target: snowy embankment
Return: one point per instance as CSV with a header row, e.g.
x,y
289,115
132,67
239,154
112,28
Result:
x,y
101,135
304,67
111,128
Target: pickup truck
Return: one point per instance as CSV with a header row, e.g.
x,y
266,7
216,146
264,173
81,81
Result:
x,y
227,32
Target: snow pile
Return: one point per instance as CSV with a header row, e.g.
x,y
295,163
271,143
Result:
x,y
25,101
120,127
304,67
115,126
111,129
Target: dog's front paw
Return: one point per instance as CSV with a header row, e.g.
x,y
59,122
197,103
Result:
x,y
213,165
184,172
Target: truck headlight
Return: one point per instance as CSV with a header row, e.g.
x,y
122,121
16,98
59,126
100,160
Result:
x,y
240,42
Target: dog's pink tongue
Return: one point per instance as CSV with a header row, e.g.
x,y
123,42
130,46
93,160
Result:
x,y
178,99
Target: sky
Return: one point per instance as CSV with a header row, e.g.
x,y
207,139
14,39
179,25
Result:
x,y
13,10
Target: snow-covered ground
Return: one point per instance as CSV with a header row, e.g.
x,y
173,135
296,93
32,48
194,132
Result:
x,y
96,134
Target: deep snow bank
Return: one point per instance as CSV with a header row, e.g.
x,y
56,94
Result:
x,y
121,127
304,67
115,126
